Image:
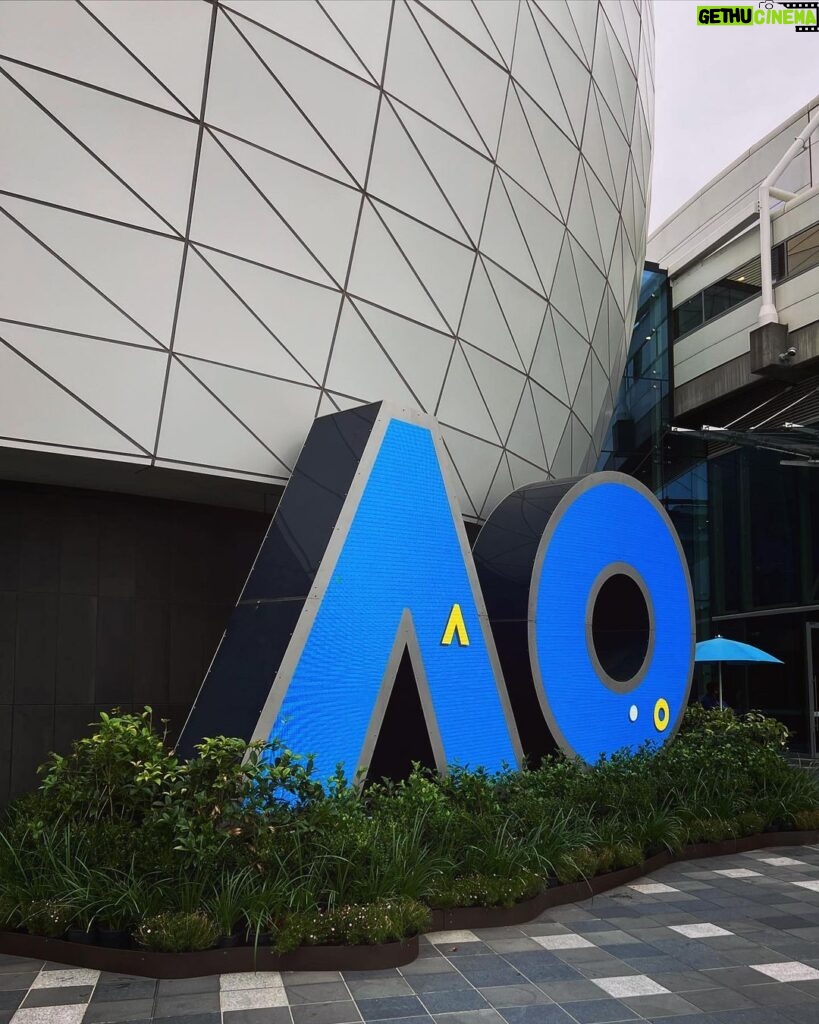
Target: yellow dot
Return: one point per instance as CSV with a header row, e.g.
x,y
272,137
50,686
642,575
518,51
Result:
x,y
661,714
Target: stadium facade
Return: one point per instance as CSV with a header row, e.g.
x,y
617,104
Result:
x,y
223,220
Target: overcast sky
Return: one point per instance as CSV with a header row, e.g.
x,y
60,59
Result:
x,y
718,92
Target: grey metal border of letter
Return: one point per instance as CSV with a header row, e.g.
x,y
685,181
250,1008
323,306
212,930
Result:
x,y
595,480
406,630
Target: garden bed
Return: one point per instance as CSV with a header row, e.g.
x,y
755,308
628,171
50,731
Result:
x,y
240,859
371,957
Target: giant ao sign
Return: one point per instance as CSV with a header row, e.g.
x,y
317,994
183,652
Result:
x,y
368,634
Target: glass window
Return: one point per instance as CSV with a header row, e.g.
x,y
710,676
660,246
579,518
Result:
x,y
726,531
811,483
774,505
778,262
803,250
688,316
718,298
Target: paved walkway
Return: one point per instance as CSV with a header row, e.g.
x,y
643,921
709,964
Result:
x,y
732,940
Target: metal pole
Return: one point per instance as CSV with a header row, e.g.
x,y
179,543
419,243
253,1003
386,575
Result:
x,y
720,684
767,312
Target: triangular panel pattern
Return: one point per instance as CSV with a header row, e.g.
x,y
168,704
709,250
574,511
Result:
x,y
364,25
479,82
299,313
36,409
39,34
501,485
171,40
122,382
245,99
462,404
221,220
500,21
199,429
137,270
151,151
466,20
46,163
306,24
525,438
484,324
475,463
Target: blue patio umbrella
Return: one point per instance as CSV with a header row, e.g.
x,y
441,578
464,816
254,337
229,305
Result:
x,y
721,649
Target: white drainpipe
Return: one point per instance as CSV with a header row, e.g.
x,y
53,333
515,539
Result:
x,y
768,190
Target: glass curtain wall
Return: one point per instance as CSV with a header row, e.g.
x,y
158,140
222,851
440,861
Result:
x,y
639,443
749,525
765,553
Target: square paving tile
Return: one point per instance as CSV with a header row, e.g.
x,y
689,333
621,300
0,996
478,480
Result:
x,y
438,965
11,1000
488,1016
568,940
112,1012
714,1000
341,1012
606,969
133,988
599,1011
57,996
330,991
440,981
699,931
252,998
482,974
64,978
365,989
807,1013
792,971
451,938
508,945
388,1009
172,986
514,995
277,1015
259,979
668,1005
17,964
737,873
630,985
14,982
540,1013
652,888
454,1001
51,1015
309,977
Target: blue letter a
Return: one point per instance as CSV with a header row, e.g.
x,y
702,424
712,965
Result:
x,y
365,565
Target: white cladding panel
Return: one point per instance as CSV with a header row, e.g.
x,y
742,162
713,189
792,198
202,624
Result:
x,y
220,221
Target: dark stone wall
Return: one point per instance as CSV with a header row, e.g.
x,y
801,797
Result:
x,y
107,600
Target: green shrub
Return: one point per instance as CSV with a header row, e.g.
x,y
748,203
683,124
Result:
x,y
48,917
618,857
749,823
709,830
177,931
478,890
353,925
806,821
578,865
244,835
10,916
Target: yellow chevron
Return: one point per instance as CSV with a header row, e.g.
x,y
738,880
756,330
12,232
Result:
x,y
455,624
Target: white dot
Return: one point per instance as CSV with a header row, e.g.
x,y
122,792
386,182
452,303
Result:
x,y
632,713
